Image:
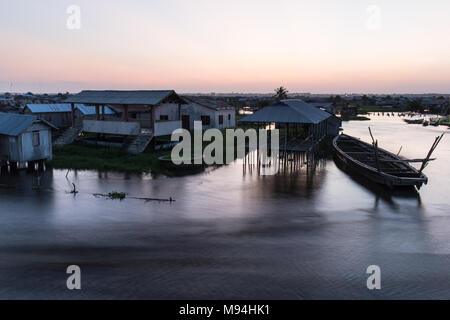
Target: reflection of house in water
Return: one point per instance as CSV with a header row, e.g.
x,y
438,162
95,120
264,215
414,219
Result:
x,y
299,173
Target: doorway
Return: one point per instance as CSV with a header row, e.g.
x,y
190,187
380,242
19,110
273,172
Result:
x,y
186,122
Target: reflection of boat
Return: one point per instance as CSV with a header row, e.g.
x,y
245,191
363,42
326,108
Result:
x,y
376,164
381,191
414,121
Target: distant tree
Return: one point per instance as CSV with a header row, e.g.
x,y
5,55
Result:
x,y
415,105
263,103
281,93
337,100
365,99
30,93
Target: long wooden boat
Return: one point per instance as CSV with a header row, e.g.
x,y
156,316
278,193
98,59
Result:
x,y
414,121
376,164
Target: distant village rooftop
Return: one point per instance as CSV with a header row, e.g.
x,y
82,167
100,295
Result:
x,y
64,108
116,97
211,103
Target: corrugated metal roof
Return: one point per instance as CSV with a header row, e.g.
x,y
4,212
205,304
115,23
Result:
x,y
325,105
90,110
144,97
65,107
288,111
209,103
12,124
49,108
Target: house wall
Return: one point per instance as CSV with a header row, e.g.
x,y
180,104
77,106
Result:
x,y
164,128
9,148
168,109
79,117
131,128
195,112
227,123
144,118
28,152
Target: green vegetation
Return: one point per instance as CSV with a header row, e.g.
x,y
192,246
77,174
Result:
x,y
366,109
80,157
117,195
445,121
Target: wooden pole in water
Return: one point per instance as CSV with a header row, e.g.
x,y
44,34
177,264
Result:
x,y
430,153
375,145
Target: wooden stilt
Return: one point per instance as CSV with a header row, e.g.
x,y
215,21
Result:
x,y
41,165
31,166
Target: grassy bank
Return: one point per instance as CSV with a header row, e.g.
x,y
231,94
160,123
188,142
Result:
x,y
367,109
80,157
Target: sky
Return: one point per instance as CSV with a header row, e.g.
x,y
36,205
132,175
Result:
x,y
321,46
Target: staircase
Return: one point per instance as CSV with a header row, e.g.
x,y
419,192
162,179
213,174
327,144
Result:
x,y
67,137
139,143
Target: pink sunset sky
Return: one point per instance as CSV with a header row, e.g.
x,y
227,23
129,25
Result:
x,y
323,46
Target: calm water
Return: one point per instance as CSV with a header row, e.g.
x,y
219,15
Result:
x,y
230,234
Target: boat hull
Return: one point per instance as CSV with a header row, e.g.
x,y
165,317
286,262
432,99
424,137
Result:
x,y
354,166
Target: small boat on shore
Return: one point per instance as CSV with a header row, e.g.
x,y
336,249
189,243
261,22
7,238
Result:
x,y
414,121
434,123
426,123
379,165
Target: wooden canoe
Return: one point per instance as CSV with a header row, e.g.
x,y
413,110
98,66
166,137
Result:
x,y
360,157
414,121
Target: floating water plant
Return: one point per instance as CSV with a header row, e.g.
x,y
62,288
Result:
x,y
117,195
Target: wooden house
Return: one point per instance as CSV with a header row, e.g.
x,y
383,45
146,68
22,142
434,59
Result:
x,y
24,138
212,113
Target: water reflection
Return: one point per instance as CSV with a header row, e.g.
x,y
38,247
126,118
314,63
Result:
x,y
309,231
382,192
